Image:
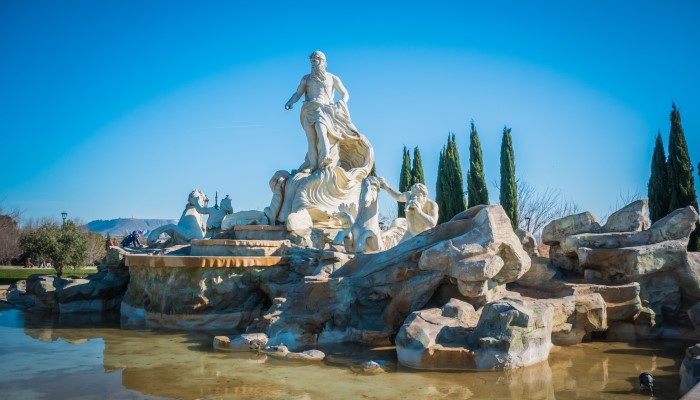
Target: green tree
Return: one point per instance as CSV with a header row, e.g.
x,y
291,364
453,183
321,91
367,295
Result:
x,y
404,180
452,182
659,195
477,193
680,175
64,246
373,171
417,175
440,187
509,189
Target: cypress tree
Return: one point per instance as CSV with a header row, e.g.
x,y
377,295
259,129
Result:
x,y
440,188
417,175
453,186
659,195
404,179
476,181
509,190
680,176
373,171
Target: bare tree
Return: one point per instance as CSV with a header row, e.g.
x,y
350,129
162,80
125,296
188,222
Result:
x,y
623,199
538,208
95,247
9,235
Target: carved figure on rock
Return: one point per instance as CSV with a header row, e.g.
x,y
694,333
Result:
x,y
190,226
421,212
337,159
216,215
364,235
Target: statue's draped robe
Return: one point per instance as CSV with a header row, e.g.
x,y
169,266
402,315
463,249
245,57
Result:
x,y
326,191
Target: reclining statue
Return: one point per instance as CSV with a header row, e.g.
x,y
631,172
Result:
x,y
216,215
189,227
421,212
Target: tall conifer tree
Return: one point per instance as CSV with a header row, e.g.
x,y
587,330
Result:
x,y
417,175
453,185
373,171
440,188
477,192
680,176
404,179
509,190
659,191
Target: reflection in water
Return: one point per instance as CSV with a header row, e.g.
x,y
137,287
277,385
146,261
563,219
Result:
x,y
89,356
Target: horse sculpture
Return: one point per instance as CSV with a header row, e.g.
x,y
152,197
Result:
x,y
364,234
190,226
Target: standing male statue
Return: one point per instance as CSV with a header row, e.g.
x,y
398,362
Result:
x,y
326,123
421,212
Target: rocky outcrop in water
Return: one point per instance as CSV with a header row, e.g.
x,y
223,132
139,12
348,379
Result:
x,y
368,298
102,291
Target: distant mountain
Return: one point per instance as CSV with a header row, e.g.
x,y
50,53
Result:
x,y
122,226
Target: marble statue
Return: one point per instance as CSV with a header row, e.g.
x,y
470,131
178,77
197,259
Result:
x,y
325,122
190,226
216,215
337,159
364,235
421,212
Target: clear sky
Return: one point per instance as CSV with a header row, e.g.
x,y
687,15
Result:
x,y
120,108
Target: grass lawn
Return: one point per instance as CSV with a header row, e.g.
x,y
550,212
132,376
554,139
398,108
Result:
x,y
12,275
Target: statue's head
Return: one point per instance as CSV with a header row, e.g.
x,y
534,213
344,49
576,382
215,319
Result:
x,y
370,191
197,194
420,189
318,54
226,205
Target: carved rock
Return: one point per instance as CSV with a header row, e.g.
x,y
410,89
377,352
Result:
x,y
528,241
675,226
510,333
556,231
634,262
368,298
690,369
633,217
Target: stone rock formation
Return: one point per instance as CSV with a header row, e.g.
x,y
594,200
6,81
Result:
x,y
690,369
367,299
510,333
102,291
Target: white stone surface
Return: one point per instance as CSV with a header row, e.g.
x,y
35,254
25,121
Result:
x,y
421,212
190,226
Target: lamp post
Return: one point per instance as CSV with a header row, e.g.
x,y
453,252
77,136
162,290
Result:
x,y
64,215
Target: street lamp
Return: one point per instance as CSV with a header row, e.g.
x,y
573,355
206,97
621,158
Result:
x,y
64,215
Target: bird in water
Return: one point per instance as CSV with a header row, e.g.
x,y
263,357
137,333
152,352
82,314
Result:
x,y
646,381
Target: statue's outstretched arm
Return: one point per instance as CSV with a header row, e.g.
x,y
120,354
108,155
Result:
x,y
338,85
297,95
398,196
200,209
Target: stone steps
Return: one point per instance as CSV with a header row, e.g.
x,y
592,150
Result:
x,y
238,247
144,261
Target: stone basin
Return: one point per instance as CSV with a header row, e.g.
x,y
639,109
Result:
x,y
148,261
236,247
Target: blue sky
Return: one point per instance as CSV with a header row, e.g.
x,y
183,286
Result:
x,y
121,108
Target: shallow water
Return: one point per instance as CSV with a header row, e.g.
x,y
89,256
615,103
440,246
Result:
x,y
89,356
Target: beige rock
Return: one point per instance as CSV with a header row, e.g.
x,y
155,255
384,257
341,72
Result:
x,y
633,262
690,369
675,226
483,258
510,333
633,217
556,231
528,241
